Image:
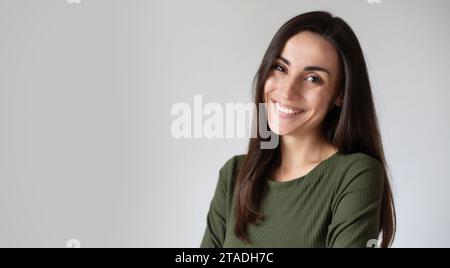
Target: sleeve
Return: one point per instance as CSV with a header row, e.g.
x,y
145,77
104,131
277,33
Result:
x,y
356,206
214,234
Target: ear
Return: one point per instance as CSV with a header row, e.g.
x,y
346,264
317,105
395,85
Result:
x,y
339,100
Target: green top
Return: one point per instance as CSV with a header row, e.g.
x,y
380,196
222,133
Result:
x,y
337,204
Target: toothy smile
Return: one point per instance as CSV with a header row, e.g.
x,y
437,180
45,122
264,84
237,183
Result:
x,y
286,109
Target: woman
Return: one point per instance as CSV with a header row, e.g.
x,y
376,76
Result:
x,y
326,183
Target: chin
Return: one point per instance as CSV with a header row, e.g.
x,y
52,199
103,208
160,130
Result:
x,y
282,130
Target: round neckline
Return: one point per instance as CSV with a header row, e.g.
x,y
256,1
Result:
x,y
319,167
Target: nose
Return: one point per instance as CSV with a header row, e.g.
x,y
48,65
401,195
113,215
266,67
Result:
x,y
289,89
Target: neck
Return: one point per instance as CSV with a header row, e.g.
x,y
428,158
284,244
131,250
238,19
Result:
x,y
303,149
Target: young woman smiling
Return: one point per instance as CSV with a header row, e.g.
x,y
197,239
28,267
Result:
x,y
326,183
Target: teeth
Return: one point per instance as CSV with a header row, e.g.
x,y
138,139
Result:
x,y
286,110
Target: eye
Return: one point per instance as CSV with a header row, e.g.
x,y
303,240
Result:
x,y
278,67
313,79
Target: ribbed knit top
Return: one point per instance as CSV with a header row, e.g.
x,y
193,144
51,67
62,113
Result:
x,y
336,204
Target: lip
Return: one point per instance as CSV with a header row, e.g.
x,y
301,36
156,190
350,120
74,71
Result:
x,y
285,110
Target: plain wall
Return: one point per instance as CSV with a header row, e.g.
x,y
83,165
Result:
x,y
86,92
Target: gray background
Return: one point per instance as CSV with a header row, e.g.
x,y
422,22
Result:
x,y
86,91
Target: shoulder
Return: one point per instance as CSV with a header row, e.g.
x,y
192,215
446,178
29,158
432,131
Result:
x,y
228,170
358,161
359,169
231,165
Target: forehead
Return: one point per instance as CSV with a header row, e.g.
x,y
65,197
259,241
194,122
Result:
x,y
310,49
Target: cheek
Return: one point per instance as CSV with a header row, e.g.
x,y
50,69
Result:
x,y
318,100
268,87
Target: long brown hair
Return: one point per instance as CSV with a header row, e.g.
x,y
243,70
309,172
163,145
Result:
x,y
351,128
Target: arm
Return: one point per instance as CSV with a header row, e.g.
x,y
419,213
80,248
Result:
x,y
214,235
356,206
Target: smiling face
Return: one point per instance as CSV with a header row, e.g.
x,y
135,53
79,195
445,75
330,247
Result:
x,y
302,84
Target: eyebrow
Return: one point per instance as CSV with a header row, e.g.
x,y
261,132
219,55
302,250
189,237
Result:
x,y
307,68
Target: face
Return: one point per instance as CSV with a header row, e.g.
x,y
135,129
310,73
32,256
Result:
x,y
301,86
